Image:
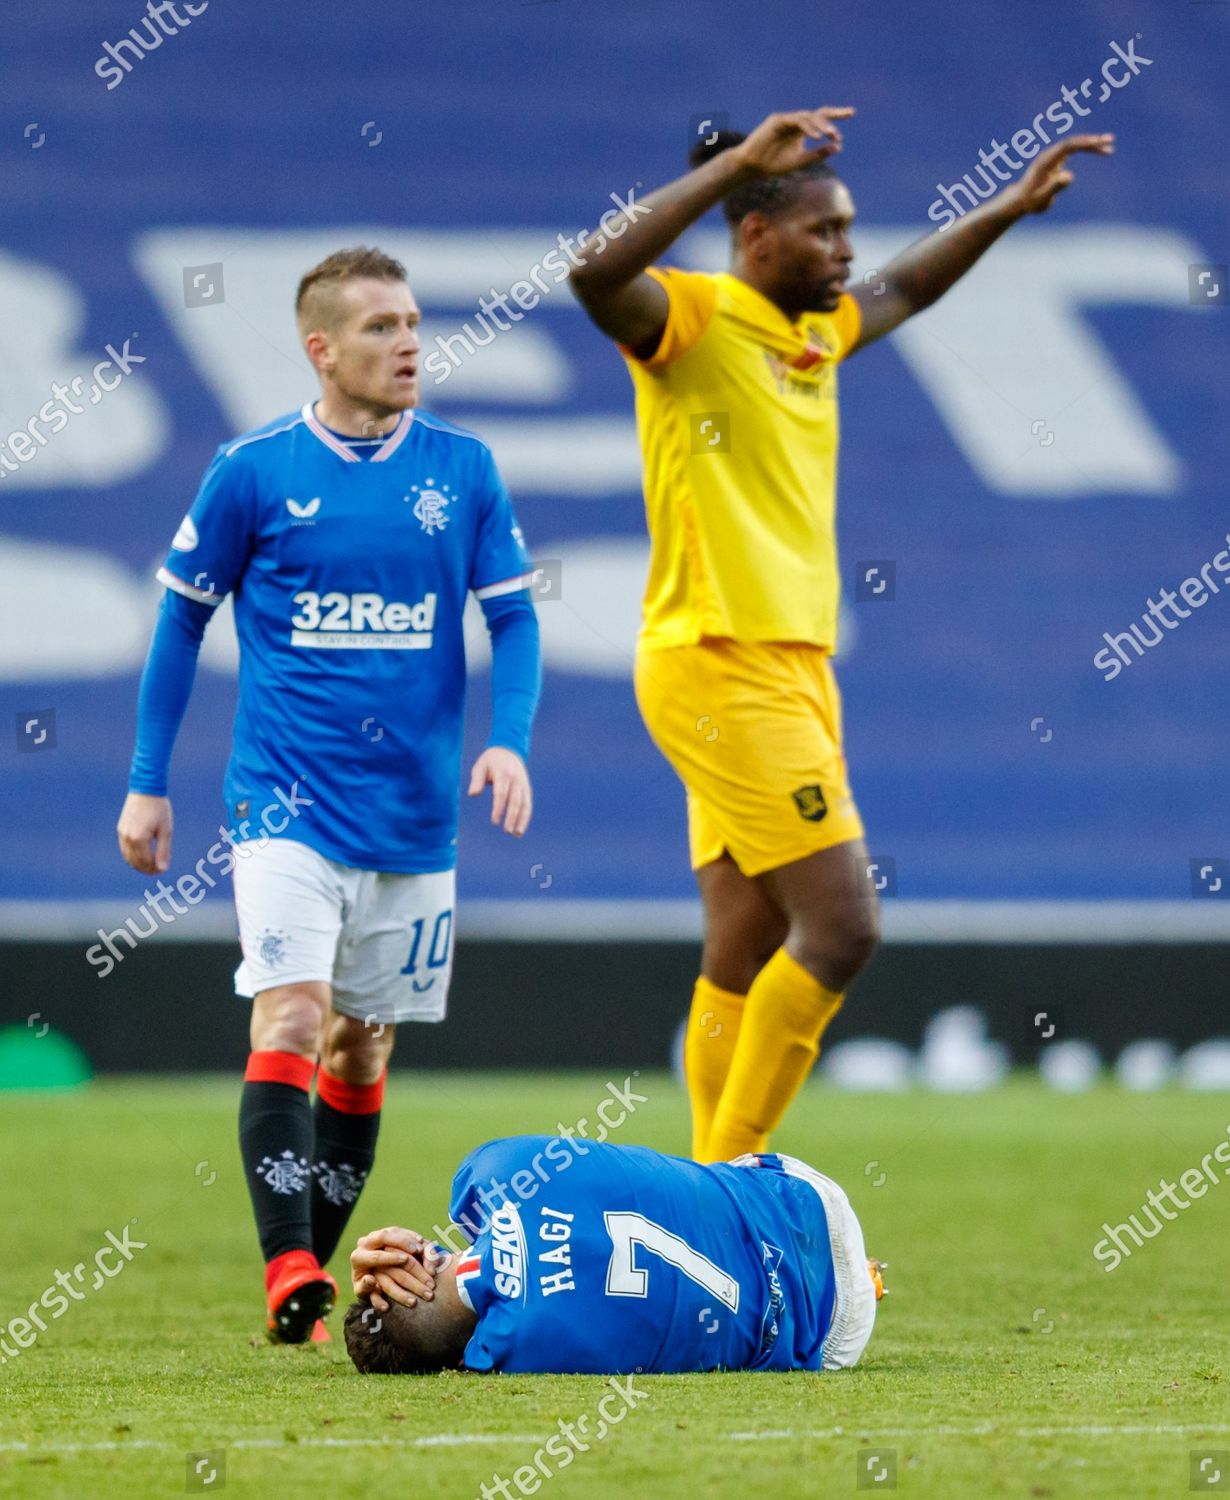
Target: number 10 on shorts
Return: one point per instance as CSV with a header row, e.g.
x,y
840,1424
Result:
x,y
438,948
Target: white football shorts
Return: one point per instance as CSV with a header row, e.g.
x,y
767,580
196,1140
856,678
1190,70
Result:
x,y
854,1313
384,942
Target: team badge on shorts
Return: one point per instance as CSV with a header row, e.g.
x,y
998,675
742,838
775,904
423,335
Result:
x,y
810,802
272,948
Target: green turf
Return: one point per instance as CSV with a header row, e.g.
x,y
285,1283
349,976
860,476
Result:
x,y
1002,1350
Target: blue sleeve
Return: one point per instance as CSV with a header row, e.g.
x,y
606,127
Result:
x,y
479,1168
211,548
462,1209
500,564
516,669
166,685
481,1180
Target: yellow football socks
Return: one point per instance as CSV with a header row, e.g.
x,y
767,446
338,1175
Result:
x,y
709,1044
783,1020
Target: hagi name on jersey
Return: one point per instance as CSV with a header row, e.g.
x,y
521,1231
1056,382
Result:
x,y
362,622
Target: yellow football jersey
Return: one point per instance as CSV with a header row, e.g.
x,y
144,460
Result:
x,y
737,415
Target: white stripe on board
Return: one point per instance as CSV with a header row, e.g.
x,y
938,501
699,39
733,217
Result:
x,y
549,919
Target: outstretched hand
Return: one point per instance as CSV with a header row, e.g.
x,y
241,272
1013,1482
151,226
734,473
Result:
x,y
1048,175
785,142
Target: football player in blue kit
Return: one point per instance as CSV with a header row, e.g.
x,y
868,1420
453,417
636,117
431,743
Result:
x,y
604,1260
349,535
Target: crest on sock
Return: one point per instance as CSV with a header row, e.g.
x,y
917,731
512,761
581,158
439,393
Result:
x,y
285,1174
341,1184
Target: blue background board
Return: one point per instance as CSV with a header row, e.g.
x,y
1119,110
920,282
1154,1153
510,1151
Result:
x,y
503,124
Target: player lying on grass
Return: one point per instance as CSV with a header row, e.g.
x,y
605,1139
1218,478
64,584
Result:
x,y
602,1259
736,401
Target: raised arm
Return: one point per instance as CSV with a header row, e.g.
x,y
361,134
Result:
x,y
610,280
924,272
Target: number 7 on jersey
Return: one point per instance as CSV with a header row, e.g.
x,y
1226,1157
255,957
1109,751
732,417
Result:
x,y
625,1279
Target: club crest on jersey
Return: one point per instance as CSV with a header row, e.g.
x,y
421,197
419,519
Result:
x,y
808,374
815,351
303,512
430,505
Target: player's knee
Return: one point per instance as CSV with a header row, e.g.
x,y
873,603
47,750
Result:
x,y
740,938
288,1019
766,937
838,945
733,962
356,1051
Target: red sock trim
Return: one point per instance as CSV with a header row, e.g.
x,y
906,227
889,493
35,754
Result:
x,y
280,1067
293,1258
351,1098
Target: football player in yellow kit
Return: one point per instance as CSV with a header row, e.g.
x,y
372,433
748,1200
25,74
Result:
x,y
736,399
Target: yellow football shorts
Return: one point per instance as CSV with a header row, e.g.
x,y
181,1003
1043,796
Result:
x,y
753,730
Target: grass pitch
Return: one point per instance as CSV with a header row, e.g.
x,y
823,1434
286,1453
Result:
x,y
1005,1362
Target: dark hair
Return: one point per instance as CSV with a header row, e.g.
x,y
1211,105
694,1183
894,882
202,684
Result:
x,y
418,1340
314,300
762,195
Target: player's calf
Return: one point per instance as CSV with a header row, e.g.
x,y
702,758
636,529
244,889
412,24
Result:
x,y
277,1144
744,927
349,1100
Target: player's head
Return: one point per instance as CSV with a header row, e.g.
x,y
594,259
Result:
x,y
790,234
416,1340
359,324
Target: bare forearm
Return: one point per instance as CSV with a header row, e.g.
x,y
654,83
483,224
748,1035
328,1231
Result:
x,y
928,268
633,242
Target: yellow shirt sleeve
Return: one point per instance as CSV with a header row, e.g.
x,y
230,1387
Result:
x,y
847,324
692,297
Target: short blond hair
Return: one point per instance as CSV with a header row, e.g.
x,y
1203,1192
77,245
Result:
x,y
316,305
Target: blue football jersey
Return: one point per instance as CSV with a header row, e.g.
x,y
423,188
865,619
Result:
x,y
603,1259
349,577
